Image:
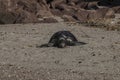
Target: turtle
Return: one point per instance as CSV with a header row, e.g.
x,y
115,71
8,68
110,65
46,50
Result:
x,y
61,39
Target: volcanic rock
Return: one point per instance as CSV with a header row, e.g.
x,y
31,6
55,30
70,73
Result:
x,y
29,11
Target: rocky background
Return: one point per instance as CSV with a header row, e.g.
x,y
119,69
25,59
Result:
x,y
35,11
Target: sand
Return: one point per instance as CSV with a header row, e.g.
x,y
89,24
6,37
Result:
x,y
20,59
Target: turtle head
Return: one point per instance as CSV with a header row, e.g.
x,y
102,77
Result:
x,y
62,42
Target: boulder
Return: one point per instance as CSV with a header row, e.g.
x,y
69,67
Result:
x,y
25,17
68,18
84,15
102,13
27,11
91,6
81,15
27,5
7,17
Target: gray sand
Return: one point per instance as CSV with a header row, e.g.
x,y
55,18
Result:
x,y
20,59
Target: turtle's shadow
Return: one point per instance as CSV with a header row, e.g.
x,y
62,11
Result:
x,y
47,45
41,46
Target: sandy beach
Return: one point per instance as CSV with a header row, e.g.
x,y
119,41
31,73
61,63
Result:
x,y
20,59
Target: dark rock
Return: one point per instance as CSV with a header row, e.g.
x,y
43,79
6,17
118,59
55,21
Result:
x,y
27,11
57,12
102,13
7,18
68,18
91,6
109,3
81,15
25,17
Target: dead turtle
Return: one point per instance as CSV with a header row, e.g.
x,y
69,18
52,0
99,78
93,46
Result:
x,y
62,39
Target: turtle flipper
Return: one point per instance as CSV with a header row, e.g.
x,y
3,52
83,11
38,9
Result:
x,y
45,45
79,43
41,46
50,44
76,43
